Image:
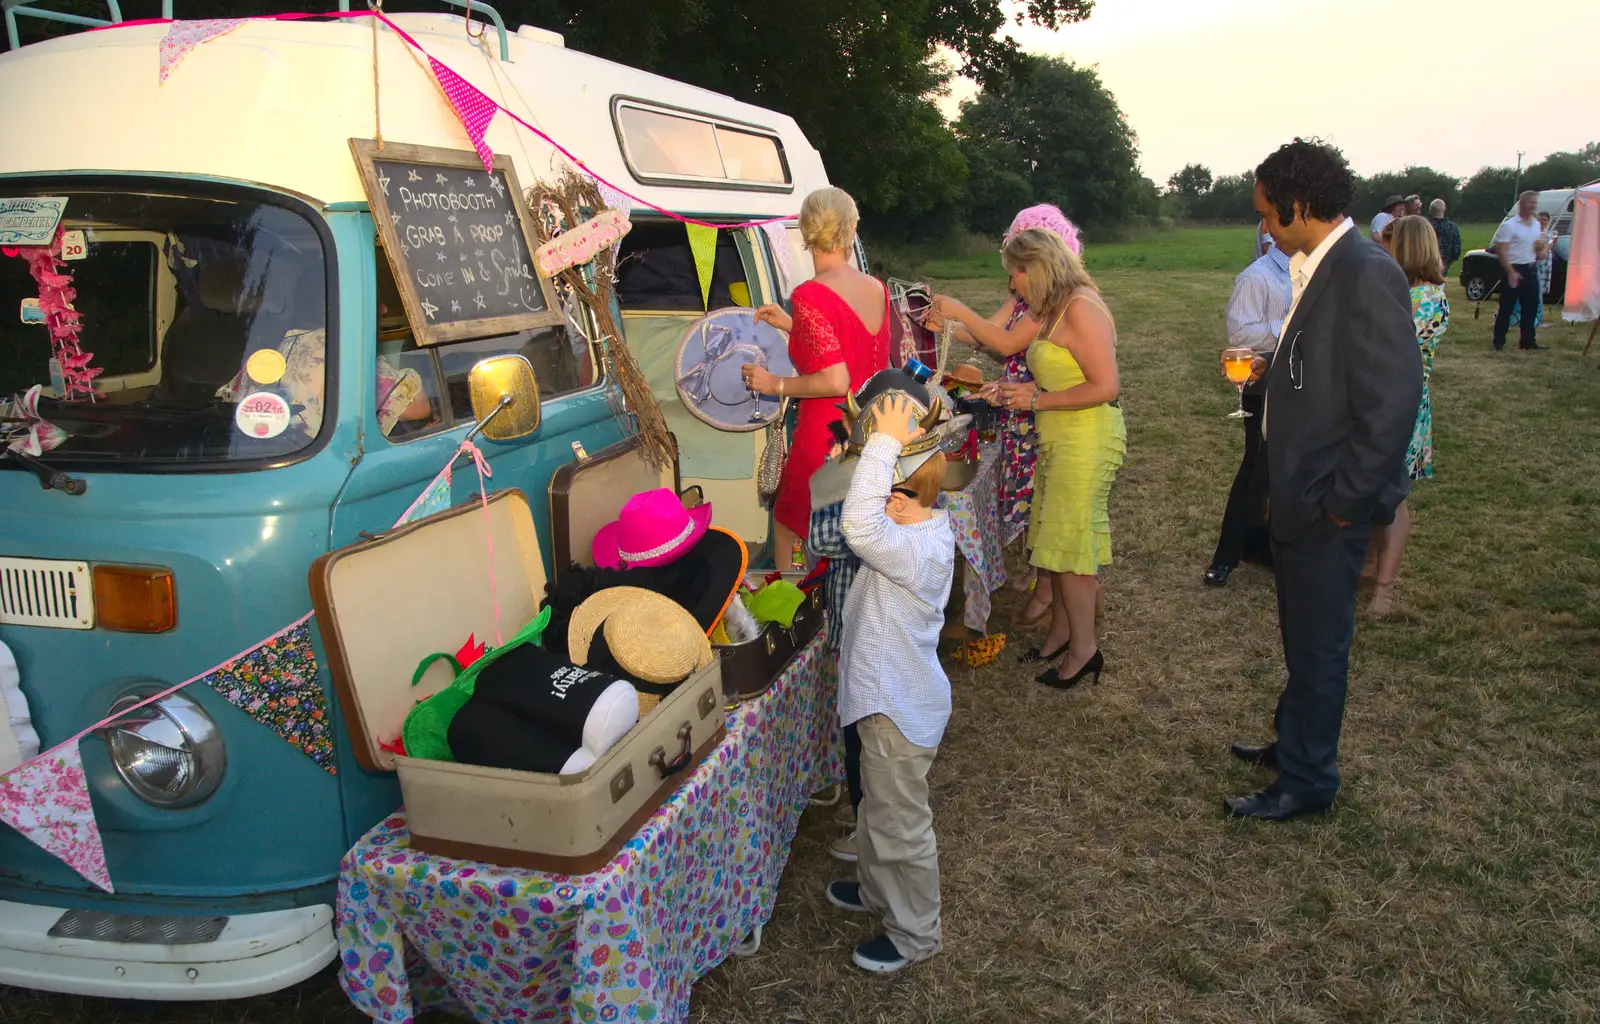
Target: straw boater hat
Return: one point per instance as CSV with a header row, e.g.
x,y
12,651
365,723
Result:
x,y
651,638
967,374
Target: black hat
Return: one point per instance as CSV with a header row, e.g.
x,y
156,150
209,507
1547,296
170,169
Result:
x,y
704,581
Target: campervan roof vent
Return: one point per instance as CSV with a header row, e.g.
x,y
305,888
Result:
x,y
541,35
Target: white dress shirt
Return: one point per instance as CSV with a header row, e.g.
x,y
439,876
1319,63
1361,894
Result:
x,y
1302,267
889,658
1380,222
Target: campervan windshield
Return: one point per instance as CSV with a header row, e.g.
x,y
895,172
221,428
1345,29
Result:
x,y
206,316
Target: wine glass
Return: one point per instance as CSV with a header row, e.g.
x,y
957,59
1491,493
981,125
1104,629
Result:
x,y
1236,363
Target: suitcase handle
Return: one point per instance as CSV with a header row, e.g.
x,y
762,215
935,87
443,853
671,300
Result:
x,y
658,757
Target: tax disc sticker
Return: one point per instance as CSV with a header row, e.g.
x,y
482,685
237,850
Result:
x,y
32,312
266,366
262,415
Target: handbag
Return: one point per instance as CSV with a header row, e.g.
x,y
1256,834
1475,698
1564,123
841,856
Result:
x,y
770,472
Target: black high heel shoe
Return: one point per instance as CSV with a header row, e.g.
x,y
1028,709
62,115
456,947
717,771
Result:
x,y
1038,653
1094,666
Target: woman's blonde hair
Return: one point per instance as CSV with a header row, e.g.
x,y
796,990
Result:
x,y
1054,271
1416,248
828,220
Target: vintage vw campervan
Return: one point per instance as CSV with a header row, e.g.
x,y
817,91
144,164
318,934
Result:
x,y
220,212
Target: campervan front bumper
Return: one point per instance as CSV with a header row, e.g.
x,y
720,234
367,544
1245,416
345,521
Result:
x,y
251,955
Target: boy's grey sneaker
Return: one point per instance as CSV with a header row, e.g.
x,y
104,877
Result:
x,y
879,956
844,848
846,896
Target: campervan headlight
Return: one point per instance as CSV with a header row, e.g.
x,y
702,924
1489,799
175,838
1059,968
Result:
x,y
170,753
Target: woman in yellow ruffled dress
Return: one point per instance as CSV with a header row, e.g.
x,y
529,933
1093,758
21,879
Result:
x,y
1081,438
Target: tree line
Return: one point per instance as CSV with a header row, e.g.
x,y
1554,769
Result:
x,y
1193,194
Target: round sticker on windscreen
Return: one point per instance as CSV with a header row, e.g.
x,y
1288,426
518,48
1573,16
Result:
x,y
262,415
266,366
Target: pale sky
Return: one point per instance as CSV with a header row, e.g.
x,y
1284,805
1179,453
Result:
x,y
1391,82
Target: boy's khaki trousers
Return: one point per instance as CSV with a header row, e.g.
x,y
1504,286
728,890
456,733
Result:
x,y
897,858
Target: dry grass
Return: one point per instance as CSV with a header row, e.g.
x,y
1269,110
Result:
x,y
1088,873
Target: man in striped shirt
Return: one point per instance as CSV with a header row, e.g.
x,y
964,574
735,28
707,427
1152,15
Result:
x,y
1254,319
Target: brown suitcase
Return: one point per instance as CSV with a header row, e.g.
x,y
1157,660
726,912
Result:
x,y
374,641
749,669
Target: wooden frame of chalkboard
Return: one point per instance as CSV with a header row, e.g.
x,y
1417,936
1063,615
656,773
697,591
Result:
x,y
461,252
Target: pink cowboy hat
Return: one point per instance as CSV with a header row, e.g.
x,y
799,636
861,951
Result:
x,y
653,528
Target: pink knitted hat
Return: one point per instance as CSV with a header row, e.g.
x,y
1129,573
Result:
x,y
1049,217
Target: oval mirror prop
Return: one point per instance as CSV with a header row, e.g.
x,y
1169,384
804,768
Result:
x,y
505,398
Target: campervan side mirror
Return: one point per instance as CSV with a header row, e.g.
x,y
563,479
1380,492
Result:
x,y
505,398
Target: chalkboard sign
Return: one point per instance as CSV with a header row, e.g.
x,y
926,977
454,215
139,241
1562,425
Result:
x,y
457,239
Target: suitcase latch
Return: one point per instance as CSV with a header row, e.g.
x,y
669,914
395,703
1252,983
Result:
x,y
621,783
772,645
708,703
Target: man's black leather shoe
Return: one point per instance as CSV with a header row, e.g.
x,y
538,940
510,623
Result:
x,y
1271,804
1217,575
1264,756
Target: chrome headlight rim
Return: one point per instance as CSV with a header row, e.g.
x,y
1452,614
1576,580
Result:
x,y
178,724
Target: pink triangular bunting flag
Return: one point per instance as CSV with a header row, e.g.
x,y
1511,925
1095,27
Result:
x,y
47,800
473,108
184,36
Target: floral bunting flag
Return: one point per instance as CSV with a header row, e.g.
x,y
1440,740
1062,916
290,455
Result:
x,y
613,197
778,238
703,243
275,683
434,498
47,800
473,108
184,36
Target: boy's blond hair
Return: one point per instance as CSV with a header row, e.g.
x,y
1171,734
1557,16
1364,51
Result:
x,y
927,480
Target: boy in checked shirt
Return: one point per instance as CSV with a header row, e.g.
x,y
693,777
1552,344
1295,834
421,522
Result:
x,y
891,686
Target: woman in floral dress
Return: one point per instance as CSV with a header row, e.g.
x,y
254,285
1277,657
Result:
x,y
1416,248
1018,440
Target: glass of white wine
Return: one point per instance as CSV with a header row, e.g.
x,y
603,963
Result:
x,y
1236,363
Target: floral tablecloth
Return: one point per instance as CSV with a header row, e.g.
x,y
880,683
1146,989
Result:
x,y
625,943
975,514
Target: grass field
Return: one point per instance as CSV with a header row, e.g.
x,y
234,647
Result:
x,y
1088,873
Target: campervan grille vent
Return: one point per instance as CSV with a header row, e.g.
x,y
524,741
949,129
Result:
x,y
164,931
37,592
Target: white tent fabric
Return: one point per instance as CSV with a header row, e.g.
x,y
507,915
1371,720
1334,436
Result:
x,y
1583,261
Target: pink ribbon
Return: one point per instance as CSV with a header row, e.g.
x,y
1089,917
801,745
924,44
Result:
x,y
483,497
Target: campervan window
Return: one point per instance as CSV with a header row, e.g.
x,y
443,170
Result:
x,y
177,290
680,147
656,271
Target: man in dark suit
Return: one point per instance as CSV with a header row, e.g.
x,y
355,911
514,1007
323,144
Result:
x,y
1342,397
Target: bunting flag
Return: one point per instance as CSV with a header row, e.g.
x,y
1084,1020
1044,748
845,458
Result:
x,y
434,498
47,800
473,108
184,36
703,243
778,239
275,682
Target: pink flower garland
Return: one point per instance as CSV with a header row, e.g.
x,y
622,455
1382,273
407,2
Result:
x,y
61,320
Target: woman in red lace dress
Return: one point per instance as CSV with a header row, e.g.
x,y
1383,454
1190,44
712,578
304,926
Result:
x,y
838,338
